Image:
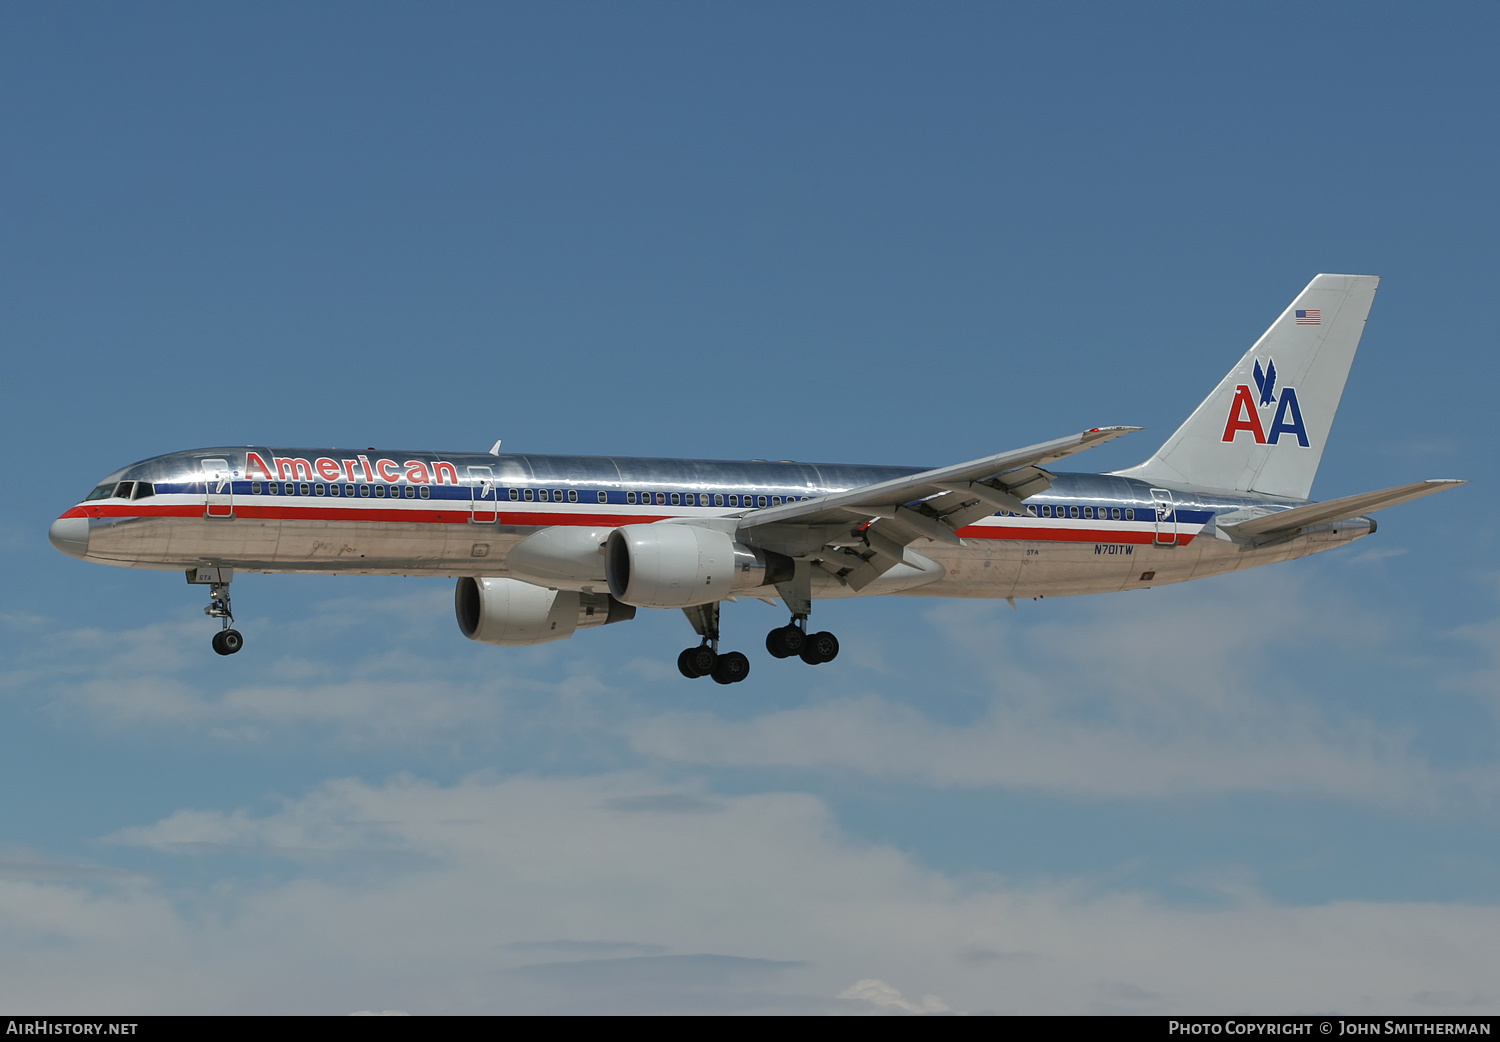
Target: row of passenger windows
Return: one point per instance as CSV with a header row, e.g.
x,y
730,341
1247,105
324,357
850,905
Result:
x,y
1102,513
293,488
317,488
545,496
142,489
676,499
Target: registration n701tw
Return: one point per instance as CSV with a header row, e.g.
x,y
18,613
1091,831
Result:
x,y
543,546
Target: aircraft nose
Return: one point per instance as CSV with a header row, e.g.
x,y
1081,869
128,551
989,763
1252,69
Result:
x,y
70,535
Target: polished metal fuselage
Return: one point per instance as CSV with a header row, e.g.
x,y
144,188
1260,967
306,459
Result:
x,y
263,509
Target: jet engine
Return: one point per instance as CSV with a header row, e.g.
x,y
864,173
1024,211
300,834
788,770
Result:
x,y
678,566
513,613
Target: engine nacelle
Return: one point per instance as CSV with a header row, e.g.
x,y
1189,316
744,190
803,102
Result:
x,y
512,613
678,566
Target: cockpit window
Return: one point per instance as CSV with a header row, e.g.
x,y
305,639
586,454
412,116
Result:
x,y
123,489
143,489
102,492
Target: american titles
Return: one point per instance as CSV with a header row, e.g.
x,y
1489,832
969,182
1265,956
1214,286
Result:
x,y
360,468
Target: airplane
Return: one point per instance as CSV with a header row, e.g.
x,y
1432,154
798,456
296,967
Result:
x,y
542,546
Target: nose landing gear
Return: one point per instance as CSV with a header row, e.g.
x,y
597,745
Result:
x,y
228,640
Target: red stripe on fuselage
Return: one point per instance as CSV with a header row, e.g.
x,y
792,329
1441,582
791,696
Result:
x,y
427,515
459,516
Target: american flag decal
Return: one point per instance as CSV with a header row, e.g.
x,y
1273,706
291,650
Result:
x,y
1309,318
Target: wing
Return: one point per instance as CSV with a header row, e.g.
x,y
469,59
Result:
x,y
862,533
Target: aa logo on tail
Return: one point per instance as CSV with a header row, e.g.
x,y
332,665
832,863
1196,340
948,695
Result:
x,y
1244,414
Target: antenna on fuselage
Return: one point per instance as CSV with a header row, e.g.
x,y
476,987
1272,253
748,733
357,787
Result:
x,y
495,448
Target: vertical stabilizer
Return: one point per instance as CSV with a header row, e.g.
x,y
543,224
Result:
x,y
1264,427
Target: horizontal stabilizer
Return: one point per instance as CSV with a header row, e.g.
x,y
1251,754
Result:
x,y
1337,509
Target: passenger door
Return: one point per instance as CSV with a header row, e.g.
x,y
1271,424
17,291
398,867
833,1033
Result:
x,y
218,488
484,504
1166,517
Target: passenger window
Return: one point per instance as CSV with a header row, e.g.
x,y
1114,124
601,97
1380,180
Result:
x,y
1129,514
557,496
604,497
776,501
661,499
1088,511
272,488
530,494
1072,511
760,501
349,491
304,490
255,488
334,490
630,497
426,493
410,492
318,489
676,500
543,495
364,492
514,493
718,499
379,491
124,488
1046,511
734,501
1114,513
572,495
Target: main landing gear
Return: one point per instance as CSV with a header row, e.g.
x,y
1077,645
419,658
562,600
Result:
x,y
730,667
228,640
705,660
794,640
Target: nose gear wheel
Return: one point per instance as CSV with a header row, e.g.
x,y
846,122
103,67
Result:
x,y
228,640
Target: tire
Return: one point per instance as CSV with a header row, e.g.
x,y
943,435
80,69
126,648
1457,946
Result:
x,y
732,668
697,662
230,641
785,642
820,648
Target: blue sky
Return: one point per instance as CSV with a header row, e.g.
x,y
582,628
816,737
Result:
x,y
870,233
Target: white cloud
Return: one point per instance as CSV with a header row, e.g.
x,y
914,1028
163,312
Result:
x,y
879,993
1206,693
760,905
